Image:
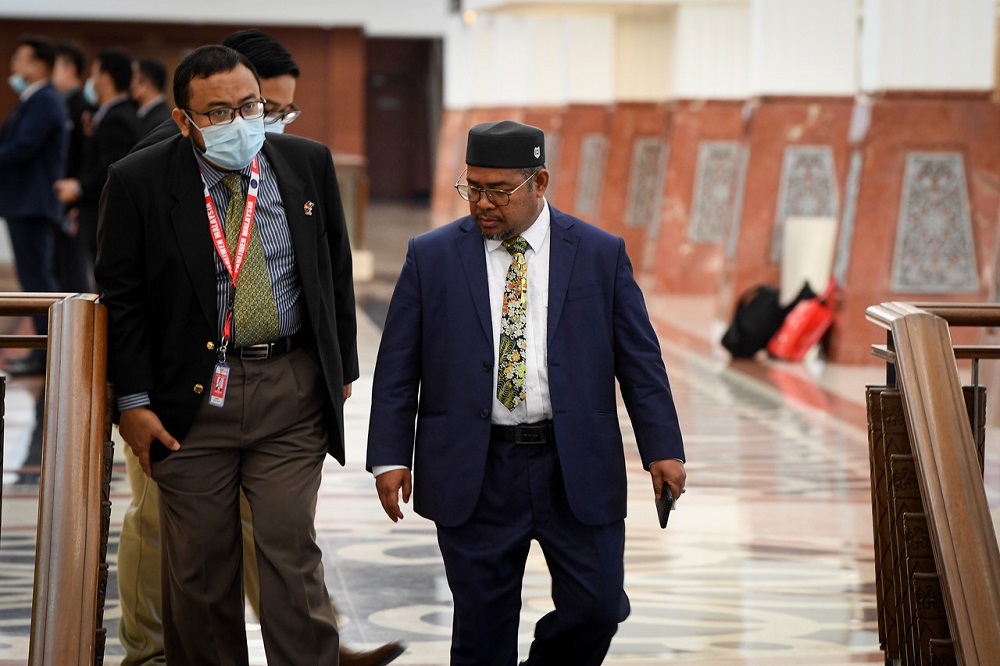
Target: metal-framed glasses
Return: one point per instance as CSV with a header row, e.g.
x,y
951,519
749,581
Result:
x,y
496,197
225,115
284,116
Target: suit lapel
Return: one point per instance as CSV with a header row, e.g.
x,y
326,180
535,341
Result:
x,y
473,256
301,227
191,227
562,253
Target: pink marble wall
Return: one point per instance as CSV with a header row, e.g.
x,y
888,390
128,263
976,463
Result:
x,y
776,124
682,266
629,122
901,124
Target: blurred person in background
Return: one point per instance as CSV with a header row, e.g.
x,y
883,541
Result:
x,y
73,269
112,131
32,158
149,80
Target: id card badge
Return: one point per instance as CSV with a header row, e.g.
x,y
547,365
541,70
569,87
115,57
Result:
x,y
220,381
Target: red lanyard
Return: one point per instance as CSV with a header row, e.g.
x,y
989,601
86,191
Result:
x,y
233,264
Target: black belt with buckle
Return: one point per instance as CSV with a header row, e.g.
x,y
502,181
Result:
x,y
527,433
267,350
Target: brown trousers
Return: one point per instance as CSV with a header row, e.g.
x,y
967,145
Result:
x,y
269,439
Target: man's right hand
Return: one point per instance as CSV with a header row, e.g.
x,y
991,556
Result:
x,y
139,426
389,484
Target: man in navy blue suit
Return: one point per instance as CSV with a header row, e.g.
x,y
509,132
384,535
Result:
x,y
495,385
32,157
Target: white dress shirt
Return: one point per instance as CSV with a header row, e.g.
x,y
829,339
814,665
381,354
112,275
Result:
x,y
537,405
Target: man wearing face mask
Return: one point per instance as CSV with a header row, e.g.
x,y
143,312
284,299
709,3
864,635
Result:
x,y
225,266
114,129
140,630
279,75
32,153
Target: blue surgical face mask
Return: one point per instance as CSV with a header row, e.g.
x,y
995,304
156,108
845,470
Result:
x,y
90,93
17,83
232,146
275,128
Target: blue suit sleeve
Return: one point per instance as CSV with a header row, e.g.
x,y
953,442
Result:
x,y
396,383
640,371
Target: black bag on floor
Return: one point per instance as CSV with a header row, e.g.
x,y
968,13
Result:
x,y
757,317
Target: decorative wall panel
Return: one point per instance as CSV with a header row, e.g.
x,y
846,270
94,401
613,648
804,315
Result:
x,y
934,250
645,181
808,188
842,258
590,177
715,189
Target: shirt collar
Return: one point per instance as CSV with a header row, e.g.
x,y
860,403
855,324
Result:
x,y
148,106
32,89
535,234
120,98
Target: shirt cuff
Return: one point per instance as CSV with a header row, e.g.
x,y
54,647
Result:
x,y
133,400
382,469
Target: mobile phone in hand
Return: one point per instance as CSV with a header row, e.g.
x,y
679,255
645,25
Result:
x,y
664,505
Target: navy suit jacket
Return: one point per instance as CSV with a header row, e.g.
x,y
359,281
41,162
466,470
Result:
x,y
435,369
33,144
156,271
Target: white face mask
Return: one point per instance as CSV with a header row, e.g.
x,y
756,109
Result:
x,y
232,146
17,83
90,93
274,128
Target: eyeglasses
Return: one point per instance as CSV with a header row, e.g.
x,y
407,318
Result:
x,y
225,115
284,116
496,197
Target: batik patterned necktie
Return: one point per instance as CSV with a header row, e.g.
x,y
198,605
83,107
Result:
x,y
255,314
511,367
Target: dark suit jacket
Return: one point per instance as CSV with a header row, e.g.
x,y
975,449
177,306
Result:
x,y
32,156
435,366
156,272
112,139
153,118
76,106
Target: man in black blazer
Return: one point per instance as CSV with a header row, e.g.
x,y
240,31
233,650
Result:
x,y
73,264
149,80
32,154
113,130
215,395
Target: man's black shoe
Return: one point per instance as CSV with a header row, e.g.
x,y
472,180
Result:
x,y
377,657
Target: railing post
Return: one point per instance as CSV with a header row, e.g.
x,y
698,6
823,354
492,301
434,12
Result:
x,y
64,612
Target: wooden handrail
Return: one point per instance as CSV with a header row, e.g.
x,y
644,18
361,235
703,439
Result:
x,y
961,528
66,603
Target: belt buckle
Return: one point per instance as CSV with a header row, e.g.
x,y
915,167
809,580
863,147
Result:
x,y
524,434
256,352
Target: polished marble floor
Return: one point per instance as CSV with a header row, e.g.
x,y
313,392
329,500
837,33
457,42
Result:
x,y
766,561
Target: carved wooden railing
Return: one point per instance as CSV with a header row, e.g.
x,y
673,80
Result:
x,y
74,507
937,563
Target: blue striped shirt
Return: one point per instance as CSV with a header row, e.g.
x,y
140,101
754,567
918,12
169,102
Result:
x,y
272,225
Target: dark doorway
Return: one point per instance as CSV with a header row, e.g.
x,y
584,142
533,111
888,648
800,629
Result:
x,y
403,115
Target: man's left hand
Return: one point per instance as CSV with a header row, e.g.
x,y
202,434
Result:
x,y
68,190
669,472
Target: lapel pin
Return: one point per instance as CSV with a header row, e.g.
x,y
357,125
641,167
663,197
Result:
x,y
308,208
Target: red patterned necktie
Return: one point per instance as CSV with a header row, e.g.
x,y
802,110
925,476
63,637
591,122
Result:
x,y
511,367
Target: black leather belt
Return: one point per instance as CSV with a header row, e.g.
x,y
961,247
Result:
x,y
267,350
527,433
